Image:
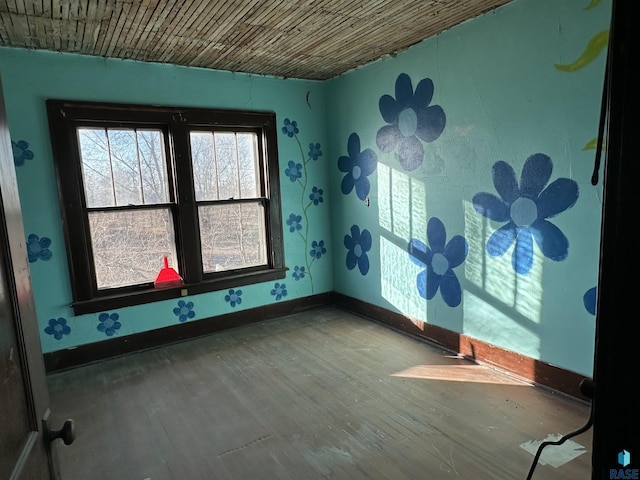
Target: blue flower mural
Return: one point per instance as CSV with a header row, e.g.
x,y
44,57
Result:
x,y
358,166
439,258
314,151
184,311
38,248
290,128
293,171
316,195
411,120
21,152
109,323
234,297
294,222
57,327
297,172
298,273
589,300
317,250
279,291
358,244
525,208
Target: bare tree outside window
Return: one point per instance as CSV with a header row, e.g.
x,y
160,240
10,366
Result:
x,y
225,167
126,168
139,182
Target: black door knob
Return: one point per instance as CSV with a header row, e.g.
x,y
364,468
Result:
x,y
67,433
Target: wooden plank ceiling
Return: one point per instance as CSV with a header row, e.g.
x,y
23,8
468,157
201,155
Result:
x,y
308,39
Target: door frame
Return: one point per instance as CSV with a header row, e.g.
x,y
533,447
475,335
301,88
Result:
x,y
37,458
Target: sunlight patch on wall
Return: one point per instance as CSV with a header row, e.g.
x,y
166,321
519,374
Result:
x,y
495,276
403,214
398,280
402,204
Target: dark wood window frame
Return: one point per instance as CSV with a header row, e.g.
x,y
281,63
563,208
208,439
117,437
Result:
x,y
176,123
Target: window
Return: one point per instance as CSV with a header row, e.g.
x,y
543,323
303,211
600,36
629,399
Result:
x,y
137,183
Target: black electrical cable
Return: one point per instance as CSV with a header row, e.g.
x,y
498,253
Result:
x,y
582,429
587,388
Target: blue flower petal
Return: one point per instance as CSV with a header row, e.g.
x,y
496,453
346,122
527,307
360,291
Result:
x,y
504,179
421,283
456,251
536,172
424,92
500,240
522,257
387,138
433,283
436,234
388,109
404,91
419,253
353,146
553,243
349,241
352,260
431,123
363,264
365,240
590,299
450,289
368,161
410,153
347,184
559,196
490,206
345,164
363,186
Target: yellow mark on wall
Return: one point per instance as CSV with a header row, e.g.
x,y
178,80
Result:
x,y
592,144
592,4
599,42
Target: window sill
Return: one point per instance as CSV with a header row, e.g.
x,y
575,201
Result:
x,y
140,297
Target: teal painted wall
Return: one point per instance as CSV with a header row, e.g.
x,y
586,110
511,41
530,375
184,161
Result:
x,y
500,101
500,98
30,77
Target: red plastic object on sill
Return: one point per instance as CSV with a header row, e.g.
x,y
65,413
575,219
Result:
x,y
167,277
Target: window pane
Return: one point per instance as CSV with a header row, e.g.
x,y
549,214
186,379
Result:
x,y
123,166
225,165
225,146
232,236
205,175
124,162
128,245
248,162
96,167
153,167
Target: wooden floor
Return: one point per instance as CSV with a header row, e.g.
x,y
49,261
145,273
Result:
x,y
315,395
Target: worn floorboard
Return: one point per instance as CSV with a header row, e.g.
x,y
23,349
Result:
x,y
316,395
